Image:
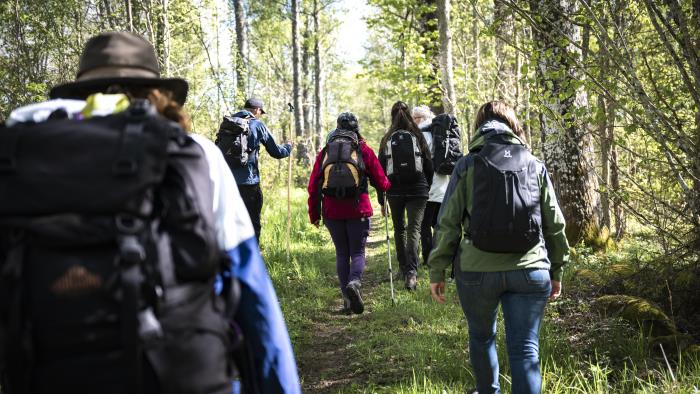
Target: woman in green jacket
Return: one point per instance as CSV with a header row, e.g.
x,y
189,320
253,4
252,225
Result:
x,y
514,246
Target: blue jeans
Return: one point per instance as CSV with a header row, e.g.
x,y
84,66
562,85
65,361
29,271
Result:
x,y
523,295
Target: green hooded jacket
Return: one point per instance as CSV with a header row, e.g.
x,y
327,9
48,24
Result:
x,y
551,253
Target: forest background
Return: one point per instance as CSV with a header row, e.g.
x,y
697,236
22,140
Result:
x,y
608,92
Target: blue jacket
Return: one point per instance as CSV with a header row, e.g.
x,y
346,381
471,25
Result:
x,y
259,134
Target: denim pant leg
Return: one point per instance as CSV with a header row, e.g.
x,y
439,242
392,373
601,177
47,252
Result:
x,y
415,208
523,307
479,294
339,235
398,206
358,231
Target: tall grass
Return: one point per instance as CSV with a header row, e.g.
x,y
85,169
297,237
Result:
x,y
417,346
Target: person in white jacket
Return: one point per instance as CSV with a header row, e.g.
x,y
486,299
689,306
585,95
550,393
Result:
x,y
423,117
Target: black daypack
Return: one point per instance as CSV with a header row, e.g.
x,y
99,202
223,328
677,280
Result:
x,y
447,142
404,158
505,215
107,260
343,168
232,139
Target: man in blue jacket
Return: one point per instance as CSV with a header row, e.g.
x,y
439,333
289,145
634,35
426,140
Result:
x,y
248,176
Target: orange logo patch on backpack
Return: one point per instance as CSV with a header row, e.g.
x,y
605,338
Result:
x,y
76,281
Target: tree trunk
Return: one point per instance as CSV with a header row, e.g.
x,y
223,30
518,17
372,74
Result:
x,y
305,71
427,29
603,133
129,16
503,19
568,146
318,80
618,212
448,97
296,66
166,37
241,48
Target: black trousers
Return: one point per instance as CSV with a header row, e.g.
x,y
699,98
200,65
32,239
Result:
x,y
253,199
407,233
427,229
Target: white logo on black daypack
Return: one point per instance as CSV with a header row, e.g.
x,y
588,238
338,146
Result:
x,y
404,158
505,215
232,139
343,167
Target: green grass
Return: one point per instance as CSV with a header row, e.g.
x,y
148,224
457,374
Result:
x,y
417,346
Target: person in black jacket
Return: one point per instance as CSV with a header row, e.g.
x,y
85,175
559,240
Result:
x,y
409,192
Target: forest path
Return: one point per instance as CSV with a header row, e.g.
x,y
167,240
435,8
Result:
x,y
328,362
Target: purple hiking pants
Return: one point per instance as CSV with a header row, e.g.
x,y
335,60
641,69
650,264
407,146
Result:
x,y
350,238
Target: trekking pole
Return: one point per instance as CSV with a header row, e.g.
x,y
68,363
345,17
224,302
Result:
x,y
289,186
388,251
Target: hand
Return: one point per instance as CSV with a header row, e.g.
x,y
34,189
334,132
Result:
x,y
291,144
437,290
384,213
316,223
556,290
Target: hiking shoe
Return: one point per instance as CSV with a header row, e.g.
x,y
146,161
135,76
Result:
x,y
411,282
353,292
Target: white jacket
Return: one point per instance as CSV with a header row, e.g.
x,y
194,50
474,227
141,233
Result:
x,y
440,181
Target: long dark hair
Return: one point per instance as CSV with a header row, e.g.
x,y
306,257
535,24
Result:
x,y
401,120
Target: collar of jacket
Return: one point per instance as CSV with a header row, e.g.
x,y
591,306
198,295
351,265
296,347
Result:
x,y
493,127
244,114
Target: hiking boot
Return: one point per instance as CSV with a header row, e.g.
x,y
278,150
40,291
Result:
x,y
353,292
411,282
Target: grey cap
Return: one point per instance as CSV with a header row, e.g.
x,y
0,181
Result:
x,y
254,103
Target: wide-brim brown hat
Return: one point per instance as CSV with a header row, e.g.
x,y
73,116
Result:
x,y
118,58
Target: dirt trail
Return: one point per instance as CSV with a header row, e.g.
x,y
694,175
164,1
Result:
x,y
326,363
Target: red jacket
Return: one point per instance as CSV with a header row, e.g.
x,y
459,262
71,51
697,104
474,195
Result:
x,y
346,209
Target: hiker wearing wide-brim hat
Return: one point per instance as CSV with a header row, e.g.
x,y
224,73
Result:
x,y
118,59
126,64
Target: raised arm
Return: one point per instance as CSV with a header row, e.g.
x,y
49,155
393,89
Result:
x,y
267,140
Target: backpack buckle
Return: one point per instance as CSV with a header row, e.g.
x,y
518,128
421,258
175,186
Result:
x,y
130,248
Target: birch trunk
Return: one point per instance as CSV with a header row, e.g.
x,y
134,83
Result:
x,y
448,88
318,81
296,66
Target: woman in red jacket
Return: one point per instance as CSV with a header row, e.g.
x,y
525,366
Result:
x,y
338,191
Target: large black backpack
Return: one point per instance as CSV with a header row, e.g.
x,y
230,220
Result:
x,y
404,158
505,215
343,168
107,260
232,139
447,142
